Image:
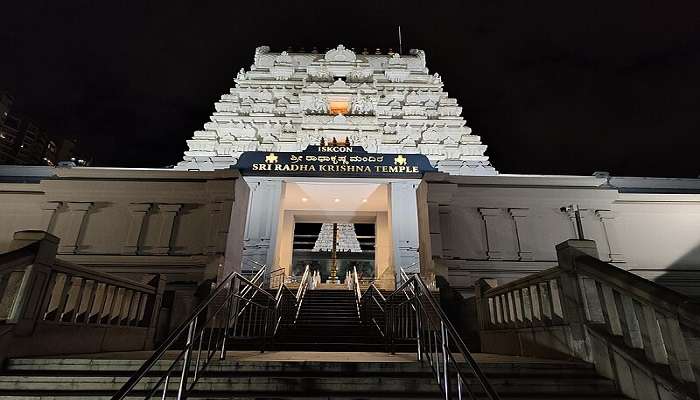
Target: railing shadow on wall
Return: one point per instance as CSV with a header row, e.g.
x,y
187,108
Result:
x,y
49,306
642,335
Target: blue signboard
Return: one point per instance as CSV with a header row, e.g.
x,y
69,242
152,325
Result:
x,y
333,161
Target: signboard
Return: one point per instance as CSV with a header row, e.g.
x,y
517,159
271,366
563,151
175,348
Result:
x,y
333,161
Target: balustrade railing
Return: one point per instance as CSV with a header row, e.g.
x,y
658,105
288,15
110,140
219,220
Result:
x,y
45,303
629,327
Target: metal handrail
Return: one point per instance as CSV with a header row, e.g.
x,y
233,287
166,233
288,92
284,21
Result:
x,y
371,301
218,315
301,290
290,316
256,281
411,312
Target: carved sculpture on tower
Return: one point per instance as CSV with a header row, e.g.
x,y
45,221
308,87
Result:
x,y
389,103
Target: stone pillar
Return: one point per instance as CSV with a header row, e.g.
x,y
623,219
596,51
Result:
x,y
167,212
260,237
482,305
571,214
29,294
70,229
215,210
48,214
434,225
493,240
285,244
137,215
607,218
404,225
524,232
383,249
573,303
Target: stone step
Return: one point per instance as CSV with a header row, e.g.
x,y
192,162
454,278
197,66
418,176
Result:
x,y
329,313
327,323
289,396
318,381
404,363
513,378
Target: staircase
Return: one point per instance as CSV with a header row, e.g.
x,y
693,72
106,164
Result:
x,y
284,376
327,354
328,321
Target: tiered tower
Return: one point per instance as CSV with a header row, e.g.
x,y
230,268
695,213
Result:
x,y
386,103
346,240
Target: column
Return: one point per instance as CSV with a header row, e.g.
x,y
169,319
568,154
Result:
x,y
434,224
48,214
72,226
167,213
137,215
493,239
446,226
523,231
573,304
215,216
571,214
260,238
404,225
607,218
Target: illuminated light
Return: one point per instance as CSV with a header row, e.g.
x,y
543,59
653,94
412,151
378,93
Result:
x,y
364,200
336,200
304,199
339,107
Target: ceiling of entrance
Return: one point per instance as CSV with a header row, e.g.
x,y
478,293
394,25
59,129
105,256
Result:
x,y
335,196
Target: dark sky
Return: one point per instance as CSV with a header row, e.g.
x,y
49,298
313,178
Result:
x,y
565,87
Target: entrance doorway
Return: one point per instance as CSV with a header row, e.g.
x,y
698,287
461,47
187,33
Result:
x,y
333,249
287,217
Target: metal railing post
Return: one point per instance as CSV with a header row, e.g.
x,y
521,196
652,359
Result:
x,y
419,350
445,366
182,387
227,321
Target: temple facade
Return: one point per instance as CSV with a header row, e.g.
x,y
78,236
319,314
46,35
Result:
x,y
354,173
367,141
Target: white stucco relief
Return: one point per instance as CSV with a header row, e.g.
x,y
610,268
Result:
x,y
282,104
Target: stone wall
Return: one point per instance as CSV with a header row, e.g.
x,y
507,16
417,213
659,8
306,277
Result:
x,y
506,226
186,225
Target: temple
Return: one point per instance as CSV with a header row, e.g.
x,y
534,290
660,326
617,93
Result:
x,y
383,103
337,204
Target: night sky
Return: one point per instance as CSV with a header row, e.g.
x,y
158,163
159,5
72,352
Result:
x,y
559,87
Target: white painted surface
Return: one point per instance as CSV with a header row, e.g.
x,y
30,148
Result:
x,y
282,104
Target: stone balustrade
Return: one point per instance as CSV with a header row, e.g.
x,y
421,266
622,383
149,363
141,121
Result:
x,y
50,306
638,333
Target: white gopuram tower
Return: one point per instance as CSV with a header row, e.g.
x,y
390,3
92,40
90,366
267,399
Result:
x,y
346,240
386,103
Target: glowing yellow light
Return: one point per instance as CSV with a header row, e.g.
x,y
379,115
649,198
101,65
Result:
x,y
336,200
304,199
339,107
